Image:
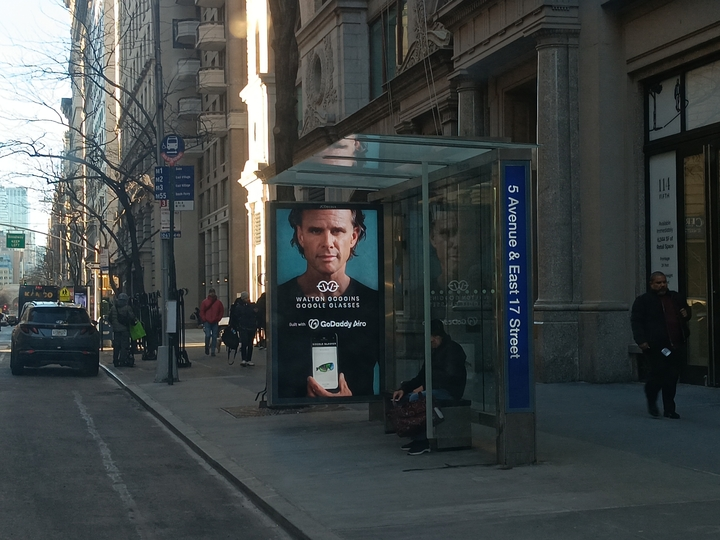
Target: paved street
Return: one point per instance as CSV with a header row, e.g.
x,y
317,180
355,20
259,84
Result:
x,y
605,469
82,460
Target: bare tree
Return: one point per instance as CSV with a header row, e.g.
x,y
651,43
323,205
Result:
x,y
103,177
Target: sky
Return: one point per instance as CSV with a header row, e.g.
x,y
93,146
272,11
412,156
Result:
x,y
34,41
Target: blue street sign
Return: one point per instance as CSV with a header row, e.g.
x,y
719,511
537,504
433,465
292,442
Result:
x,y
173,145
517,286
184,183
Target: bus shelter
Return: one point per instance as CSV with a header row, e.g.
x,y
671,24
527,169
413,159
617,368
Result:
x,y
449,223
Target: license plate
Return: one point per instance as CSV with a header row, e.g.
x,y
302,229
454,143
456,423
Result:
x,y
59,332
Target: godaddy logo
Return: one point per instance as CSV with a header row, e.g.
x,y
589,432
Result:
x,y
314,324
329,286
458,286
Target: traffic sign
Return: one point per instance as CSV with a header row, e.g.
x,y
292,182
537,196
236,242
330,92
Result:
x,y
64,294
104,260
184,183
172,149
179,205
15,240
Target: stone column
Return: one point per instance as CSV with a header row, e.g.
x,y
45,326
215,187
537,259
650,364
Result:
x,y
472,95
448,110
558,219
208,259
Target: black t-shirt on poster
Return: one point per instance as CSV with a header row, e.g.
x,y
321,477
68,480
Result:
x,y
352,317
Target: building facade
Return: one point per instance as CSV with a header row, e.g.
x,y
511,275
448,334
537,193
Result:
x,y
15,217
621,99
222,223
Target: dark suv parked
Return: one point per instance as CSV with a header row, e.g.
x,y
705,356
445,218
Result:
x,y
55,333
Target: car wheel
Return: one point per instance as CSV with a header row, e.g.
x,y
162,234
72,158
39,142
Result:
x,y
92,369
16,368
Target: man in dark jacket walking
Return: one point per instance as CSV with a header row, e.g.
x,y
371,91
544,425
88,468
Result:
x,y
659,325
243,318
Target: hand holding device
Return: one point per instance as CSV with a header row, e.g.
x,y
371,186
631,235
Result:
x,y
314,389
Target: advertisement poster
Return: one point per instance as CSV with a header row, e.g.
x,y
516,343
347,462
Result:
x,y
663,217
326,302
81,297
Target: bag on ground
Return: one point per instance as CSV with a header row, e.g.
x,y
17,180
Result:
x,y
408,418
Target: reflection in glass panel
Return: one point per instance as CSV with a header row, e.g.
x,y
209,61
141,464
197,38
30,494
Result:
x,y
696,258
462,290
702,92
664,108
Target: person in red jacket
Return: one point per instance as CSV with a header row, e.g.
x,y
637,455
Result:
x,y
211,311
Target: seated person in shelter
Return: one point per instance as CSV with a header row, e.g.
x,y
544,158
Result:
x,y
449,376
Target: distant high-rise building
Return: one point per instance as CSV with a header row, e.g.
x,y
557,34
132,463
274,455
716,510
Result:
x,y
14,210
15,216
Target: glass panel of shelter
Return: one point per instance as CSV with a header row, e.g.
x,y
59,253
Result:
x,y
696,261
462,279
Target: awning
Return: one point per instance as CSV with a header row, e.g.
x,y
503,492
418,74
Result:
x,y
375,162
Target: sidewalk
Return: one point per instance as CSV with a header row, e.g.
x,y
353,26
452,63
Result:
x,y
606,469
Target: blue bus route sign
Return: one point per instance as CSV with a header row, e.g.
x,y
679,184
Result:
x,y
184,183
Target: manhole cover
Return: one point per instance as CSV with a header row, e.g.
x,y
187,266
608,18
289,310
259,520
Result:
x,y
254,411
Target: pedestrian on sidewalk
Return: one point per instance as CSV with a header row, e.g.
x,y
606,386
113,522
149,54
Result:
x,y
659,325
211,311
243,318
261,305
121,318
449,377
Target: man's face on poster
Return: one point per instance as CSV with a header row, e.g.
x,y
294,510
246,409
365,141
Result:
x,y
342,149
444,238
327,238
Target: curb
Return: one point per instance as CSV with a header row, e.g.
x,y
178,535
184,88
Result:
x,y
291,518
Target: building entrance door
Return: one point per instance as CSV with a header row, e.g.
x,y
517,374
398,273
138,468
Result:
x,y
700,273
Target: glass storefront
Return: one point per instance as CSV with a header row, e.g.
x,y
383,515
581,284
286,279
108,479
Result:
x,y
682,138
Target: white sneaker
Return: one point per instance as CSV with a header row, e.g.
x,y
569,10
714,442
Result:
x,y
249,363
243,363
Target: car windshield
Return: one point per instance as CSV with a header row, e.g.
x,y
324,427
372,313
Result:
x,y
57,315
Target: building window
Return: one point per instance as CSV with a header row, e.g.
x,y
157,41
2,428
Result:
x,y
214,154
223,150
388,45
257,50
299,108
257,228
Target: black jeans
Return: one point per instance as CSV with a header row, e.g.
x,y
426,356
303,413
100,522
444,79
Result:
x,y
121,347
664,375
246,344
